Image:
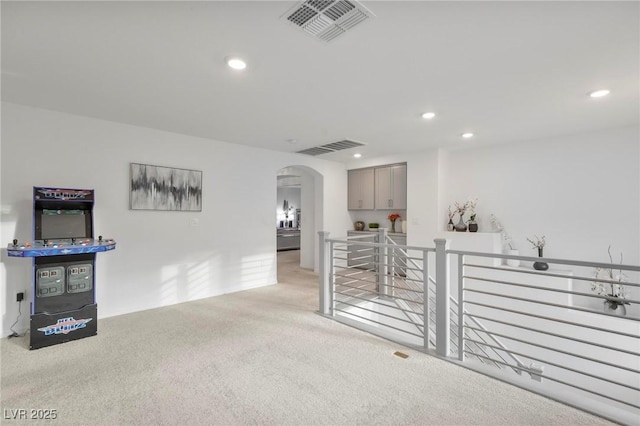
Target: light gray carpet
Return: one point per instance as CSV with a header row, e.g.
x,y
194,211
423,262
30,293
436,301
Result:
x,y
256,357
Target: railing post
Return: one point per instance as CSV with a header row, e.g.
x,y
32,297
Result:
x,y
461,307
443,317
425,294
382,265
324,266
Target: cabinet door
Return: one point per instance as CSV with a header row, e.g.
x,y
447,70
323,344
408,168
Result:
x,y
399,187
383,188
391,188
360,189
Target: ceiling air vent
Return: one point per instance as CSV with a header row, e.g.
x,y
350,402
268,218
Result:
x,y
330,147
327,19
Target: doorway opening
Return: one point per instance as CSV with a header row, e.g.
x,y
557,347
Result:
x,y
299,214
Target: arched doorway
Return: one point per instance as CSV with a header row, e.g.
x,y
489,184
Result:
x,y
309,184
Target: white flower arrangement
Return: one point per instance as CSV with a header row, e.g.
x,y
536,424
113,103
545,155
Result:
x,y
615,293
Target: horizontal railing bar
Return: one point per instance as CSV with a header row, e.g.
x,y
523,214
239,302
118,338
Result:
x,y
555,334
550,274
556,290
357,288
549,348
365,256
349,282
377,322
568,384
417,324
354,272
376,292
381,304
354,267
357,237
384,285
552,319
466,340
546,259
404,289
357,296
364,243
358,280
406,268
358,276
547,362
556,305
481,326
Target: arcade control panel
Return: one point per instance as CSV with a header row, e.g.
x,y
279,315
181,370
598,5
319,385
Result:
x,y
59,247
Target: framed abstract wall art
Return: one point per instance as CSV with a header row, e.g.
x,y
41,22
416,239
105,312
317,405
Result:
x,y
165,188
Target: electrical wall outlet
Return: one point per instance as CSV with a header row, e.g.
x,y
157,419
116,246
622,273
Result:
x,y
19,297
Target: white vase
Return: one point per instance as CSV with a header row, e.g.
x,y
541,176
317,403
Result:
x,y
513,262
403,225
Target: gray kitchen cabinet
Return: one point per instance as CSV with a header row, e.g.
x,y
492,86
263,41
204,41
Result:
x,y
287,239
391,187
361,189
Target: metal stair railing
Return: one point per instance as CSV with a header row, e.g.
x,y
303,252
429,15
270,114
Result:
x,y
407,263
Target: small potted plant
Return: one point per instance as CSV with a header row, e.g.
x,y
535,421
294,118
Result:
x,y
539,244
461,209
473,225
614,293
471,206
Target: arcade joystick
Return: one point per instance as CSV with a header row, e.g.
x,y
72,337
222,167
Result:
x,y
73,241
45,242
15,243
99,239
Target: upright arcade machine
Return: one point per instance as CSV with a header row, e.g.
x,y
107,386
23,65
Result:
x,y
63,301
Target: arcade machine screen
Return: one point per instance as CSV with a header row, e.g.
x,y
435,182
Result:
x,y
60,224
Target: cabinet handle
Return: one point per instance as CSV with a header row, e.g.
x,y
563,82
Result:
x,y
390,203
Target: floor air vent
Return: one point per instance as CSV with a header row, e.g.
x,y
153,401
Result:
x,y
330,147
327,19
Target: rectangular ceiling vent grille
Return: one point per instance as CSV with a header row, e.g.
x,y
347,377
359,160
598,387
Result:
x,y
330,147
327,19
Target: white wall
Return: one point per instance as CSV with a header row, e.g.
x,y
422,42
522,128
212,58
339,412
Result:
x,y
161,259
581,192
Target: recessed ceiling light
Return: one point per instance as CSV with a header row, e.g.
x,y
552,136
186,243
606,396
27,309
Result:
x,y
428,115
357,155
235,62
599,93
467,135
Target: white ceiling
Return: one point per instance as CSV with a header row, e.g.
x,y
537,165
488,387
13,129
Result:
x,y
507,71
